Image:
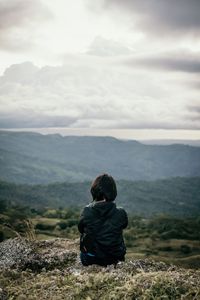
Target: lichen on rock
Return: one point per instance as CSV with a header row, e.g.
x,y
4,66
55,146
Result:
x,y
35,255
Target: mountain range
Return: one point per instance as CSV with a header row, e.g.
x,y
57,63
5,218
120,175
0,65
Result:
x,y
33,158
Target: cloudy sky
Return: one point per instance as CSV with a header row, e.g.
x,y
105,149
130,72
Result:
x,y
126,68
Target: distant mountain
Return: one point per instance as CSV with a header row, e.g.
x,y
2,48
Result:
x,y
34,158
195,143
175,196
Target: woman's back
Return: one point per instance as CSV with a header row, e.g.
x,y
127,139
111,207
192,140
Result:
x,y
101,226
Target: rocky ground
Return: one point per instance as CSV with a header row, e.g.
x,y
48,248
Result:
x,y
52,270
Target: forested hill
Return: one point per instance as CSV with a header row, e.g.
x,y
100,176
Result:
x,y
37,159
175,196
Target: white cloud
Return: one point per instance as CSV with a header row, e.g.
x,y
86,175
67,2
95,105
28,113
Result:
x,y
94,92
106,47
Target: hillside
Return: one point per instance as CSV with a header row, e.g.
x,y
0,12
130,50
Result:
x,y
175,196
37,159
52,270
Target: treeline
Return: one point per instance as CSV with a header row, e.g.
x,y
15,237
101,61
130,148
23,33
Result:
x,y
18,220
62,222
175,196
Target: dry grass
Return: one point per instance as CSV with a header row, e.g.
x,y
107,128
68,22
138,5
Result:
x,y
124,282
141,279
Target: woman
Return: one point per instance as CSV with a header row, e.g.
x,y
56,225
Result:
x,y
101,225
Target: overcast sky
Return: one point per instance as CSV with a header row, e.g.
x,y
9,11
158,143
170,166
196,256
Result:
x,y
107,65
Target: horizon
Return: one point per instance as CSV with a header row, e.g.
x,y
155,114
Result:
x,y
80,132
127,134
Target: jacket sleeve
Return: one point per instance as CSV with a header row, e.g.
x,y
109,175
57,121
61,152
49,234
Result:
x,y
81,223
125,219
81,226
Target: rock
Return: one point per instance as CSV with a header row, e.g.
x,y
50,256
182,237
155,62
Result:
x,y
3,294
37,255
14,252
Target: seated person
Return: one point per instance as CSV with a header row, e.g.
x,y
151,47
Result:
x,y
101,225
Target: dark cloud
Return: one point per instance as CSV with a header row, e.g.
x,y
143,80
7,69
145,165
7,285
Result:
x,y
31,119
194,112
14,13
173,62
17,15
158,125
169,16
34,120
194,108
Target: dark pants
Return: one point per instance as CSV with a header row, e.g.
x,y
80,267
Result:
x,y
93,260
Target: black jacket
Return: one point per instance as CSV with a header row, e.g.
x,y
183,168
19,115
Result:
x,y
101,225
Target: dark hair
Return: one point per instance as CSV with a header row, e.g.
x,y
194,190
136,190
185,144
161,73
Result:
x,y
104,187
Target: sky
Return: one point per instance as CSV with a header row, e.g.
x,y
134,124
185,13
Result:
x,y
126,68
